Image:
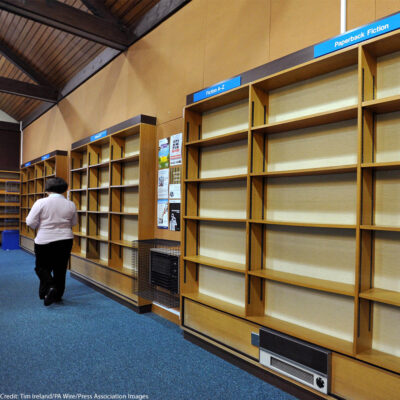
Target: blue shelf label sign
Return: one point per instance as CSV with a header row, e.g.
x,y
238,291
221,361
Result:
x,y
27,164
358,35
46,157
98,135
218,88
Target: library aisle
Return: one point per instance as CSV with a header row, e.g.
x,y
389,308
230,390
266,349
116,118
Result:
x,y
91,345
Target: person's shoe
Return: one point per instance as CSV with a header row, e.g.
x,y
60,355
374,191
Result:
x,y
50,296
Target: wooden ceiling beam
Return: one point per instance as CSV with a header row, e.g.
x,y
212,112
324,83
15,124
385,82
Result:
x,y
27,69
19,88
155,16
9,126
98,8
71,20
159,13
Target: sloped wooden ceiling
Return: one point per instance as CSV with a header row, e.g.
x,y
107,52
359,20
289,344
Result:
x,y
47,46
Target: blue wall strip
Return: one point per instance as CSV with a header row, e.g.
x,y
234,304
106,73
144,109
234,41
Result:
x,y
217,89
46,157
358,35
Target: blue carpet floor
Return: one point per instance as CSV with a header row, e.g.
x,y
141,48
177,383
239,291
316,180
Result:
x,y
91,345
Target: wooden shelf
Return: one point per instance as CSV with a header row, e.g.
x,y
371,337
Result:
x,y
306,71
341,114
301,124
380,228
309,335
384,360
133,157
220,139
9,205
215,219
305,281
340,169
78,190
104,164
382,165
81,169
130,214
382,296
124,243
382,106
98,188
136,139
78,254
135,185
213,262
57,164
218,179
301,224
9,216
5,180
98,238
216,303
80,234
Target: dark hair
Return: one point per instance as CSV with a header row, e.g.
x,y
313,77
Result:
x,y
56,185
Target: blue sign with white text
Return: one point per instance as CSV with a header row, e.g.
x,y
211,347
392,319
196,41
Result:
x,y
98,135
217,88
369,31
27,164
46,157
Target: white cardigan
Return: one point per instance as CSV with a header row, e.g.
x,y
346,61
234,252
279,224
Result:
x,y
53,217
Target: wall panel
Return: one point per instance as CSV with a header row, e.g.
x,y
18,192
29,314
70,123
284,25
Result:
x,y
205,42
360,12
298,24
237,38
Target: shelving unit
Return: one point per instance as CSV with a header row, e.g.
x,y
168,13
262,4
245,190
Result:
x,y
113,187
9,200
291,206
34,175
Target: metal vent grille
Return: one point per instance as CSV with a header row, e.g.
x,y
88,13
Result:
x,y
291,370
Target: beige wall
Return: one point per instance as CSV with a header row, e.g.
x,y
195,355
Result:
x,y
205,42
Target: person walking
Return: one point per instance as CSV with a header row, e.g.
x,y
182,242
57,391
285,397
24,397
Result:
x,y
53,217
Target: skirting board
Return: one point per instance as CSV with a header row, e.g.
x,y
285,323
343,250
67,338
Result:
x,y
27,250
139,309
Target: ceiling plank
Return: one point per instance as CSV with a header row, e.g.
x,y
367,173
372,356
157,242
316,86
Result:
x,y
69,19
18,88
11,56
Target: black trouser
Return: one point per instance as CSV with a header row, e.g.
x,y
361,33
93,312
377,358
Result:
x,y
51,265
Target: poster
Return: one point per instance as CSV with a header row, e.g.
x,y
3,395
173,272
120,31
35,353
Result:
x,y
175,192
162,214
163,153
163,181
176,149
175,216
175,183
